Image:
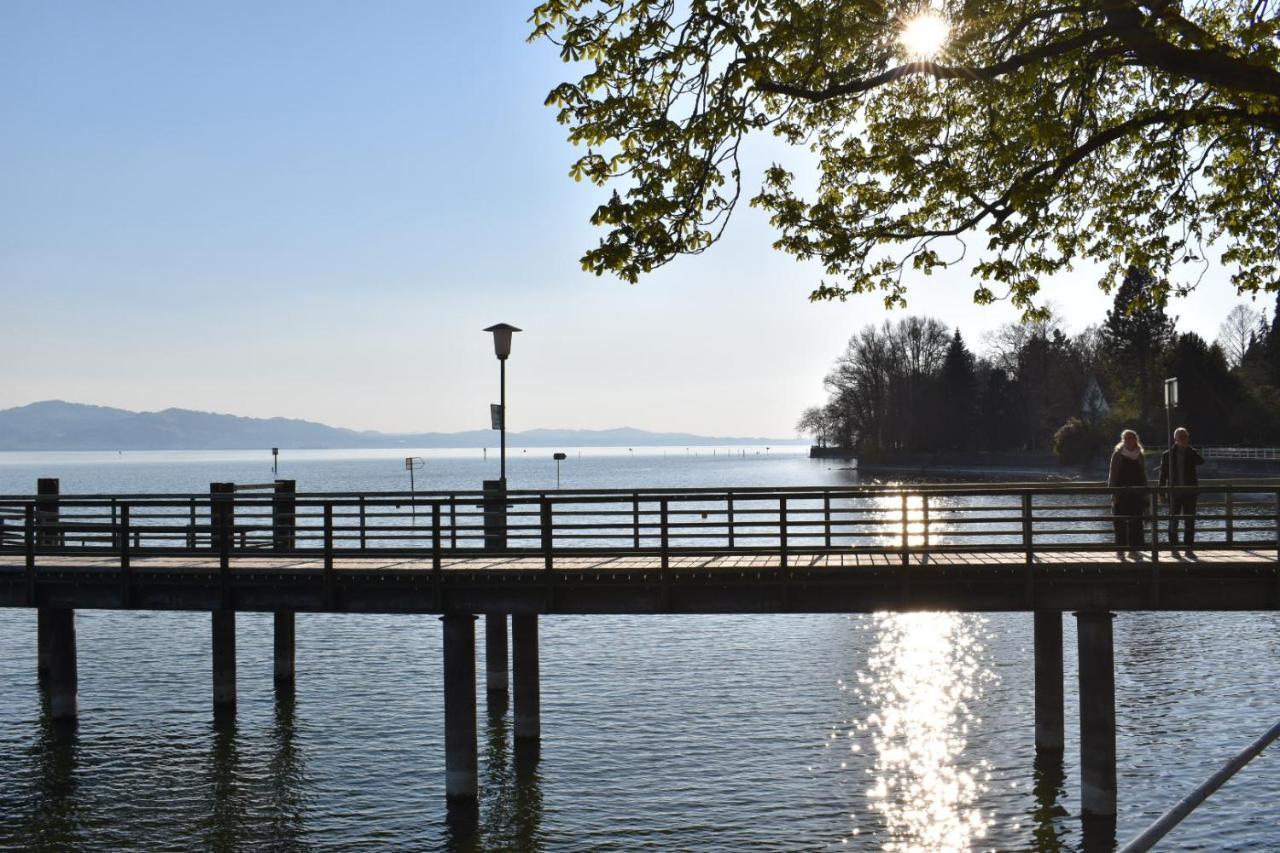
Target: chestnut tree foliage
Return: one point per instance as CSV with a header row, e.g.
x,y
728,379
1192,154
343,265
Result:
x,y
1138,134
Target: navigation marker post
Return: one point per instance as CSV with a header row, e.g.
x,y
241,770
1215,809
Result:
x,y
411,464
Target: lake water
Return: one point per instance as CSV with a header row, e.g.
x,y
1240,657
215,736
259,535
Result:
x,y
784,732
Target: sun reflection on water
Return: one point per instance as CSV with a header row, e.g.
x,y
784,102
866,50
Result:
x,y
924,677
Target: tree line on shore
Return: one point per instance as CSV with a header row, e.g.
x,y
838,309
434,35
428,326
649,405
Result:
x,y
916,386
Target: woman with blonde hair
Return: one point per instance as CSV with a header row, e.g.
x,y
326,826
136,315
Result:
x,y
1128,470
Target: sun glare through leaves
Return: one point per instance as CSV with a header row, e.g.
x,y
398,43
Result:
x,y
924,35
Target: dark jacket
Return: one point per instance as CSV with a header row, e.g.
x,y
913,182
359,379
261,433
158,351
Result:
x,y
1186,476
1127,472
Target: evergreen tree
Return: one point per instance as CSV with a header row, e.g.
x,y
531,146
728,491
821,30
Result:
x,y
1211,400
1136,334
959,397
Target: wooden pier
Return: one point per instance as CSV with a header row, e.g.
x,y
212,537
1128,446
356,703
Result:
x,y
1040,548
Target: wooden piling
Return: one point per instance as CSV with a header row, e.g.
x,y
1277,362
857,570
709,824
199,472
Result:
x,y
495,652
1048,680
63,682
528,700
284,668
461,777
1097,714
224,659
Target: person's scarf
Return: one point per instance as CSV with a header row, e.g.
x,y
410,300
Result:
x,y
1130,454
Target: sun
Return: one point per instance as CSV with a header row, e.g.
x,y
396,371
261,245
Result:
x,y
924,35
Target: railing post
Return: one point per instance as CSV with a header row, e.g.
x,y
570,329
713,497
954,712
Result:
x,y
1230,518
221,515
364,531
906,554
548,538
437,565
222,518
1154,507
29,540
328,556
114,518
1028,537
126,572
924,518
453,522
826,516
284,518
664,534
48,512
662,527
635,519
191,526
782,531
730,518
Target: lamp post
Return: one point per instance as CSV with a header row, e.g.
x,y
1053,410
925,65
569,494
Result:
x,y
502,349
495,526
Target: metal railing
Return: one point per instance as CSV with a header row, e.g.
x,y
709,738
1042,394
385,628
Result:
x,y
906,522
1164,824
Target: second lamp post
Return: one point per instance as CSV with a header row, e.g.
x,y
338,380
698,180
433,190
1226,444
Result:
x,y
502,349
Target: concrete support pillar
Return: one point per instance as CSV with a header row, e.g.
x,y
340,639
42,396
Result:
x,y
460,763
528,701
63,681
1048,656
224,660
495,652
283,669
1097,714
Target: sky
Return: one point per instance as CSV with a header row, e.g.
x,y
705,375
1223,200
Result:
x,y
312,209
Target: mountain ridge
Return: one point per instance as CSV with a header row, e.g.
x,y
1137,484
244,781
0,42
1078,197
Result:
x,y
63,425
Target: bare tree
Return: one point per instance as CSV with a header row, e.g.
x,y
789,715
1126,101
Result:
x,y
1236,331
1004,345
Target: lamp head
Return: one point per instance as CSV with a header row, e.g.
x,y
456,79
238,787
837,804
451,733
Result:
x,y
502,339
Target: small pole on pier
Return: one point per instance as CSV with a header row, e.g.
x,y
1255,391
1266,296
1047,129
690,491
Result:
x,y
1048,680
461,784
1097,714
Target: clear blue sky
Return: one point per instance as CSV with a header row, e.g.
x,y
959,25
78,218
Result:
x,y
311,209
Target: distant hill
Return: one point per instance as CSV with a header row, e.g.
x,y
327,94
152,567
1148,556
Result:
x,y
58,425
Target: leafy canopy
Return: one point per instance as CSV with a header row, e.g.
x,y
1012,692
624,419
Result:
x,y
1132,133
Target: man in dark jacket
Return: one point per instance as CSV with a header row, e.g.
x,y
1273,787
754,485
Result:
x,y
1178,470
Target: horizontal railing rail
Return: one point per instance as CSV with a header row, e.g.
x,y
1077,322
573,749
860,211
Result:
x,y
905,521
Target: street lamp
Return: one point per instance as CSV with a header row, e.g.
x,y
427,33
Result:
x,y
502,349
1170,403
559,457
